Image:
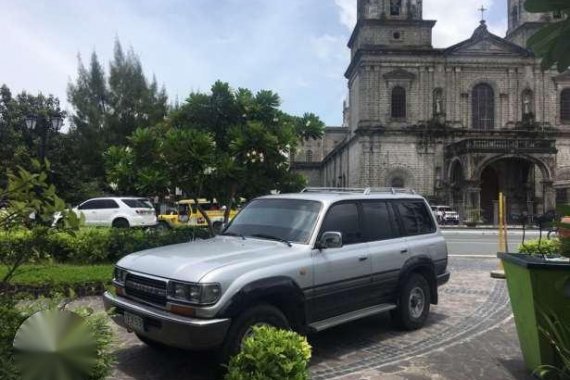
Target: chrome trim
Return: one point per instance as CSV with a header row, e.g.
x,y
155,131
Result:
x,y
173,330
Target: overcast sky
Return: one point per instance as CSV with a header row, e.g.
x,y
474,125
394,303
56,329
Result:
x,y
294,47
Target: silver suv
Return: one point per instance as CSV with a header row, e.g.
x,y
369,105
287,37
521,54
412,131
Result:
x,y
307,261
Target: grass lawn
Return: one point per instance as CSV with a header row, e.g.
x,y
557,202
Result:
x,y
60,274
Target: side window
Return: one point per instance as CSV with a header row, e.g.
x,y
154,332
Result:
x,y
408,217
343,218
379,221
108,203
416,218
89,205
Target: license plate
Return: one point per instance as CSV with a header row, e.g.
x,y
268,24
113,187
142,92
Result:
x,y
134,321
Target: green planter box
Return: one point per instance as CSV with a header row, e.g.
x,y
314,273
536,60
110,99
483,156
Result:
x,y
535,284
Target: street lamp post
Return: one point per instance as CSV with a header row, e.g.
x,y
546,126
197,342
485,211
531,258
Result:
x,y
56,123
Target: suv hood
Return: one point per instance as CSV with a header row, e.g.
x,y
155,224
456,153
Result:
x,y
192,261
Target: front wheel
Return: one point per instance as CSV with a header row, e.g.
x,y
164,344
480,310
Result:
x,y
243,326
413,303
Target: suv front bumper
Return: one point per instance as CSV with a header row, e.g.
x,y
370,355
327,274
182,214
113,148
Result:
x,y
167,328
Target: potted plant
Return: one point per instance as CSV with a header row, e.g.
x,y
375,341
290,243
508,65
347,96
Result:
x,y
538,281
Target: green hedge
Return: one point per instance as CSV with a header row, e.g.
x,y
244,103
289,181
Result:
x,y
98,245
547,247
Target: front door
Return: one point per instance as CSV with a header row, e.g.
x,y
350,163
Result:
x,y
342,275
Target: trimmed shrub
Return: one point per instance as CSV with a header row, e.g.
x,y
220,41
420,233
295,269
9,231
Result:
x,y
98,245
541,247
271,354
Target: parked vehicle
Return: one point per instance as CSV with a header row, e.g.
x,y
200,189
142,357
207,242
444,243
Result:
x,y
187,213
307,261
445,215
120,212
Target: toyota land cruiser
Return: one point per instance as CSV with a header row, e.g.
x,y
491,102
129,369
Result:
x,y
307,261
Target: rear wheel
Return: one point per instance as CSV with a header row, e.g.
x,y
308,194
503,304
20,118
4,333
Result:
x,y
121,223
163,226
413,303
243,326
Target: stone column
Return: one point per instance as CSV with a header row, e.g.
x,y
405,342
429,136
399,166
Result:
x,y
473,192
548,195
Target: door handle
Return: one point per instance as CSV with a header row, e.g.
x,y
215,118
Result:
x,y
363,258
404,251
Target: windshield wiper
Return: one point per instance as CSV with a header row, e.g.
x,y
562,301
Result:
x,y
271,237
233,234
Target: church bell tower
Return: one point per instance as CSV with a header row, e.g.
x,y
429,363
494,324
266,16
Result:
x,y
523,24
391,25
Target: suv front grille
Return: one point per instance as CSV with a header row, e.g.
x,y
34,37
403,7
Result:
x,y
146,289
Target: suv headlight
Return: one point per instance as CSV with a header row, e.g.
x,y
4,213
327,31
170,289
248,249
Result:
x,y
199,294
120,275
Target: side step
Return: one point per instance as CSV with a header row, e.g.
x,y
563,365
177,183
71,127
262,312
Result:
x,y
352,316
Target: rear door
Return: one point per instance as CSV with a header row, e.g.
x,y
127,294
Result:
x,y
342,275
388,248
108,212
90,210
419,226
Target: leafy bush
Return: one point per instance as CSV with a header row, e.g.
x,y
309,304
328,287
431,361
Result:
x,y
540,247
95,245
12,316
271,354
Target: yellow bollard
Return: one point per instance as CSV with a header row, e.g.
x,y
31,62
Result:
x,y
503,235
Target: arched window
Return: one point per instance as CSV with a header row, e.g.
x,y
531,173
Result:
x,y
395,7
565,106
483,107
398,102
309,156
398,182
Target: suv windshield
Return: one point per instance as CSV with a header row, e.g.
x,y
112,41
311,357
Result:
x,y
285,219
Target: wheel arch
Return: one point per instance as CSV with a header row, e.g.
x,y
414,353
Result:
x,y
281,292
422,265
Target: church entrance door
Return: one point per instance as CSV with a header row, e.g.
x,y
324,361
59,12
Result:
x,y
519,180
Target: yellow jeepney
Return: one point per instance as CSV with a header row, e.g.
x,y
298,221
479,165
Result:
x,y
187,213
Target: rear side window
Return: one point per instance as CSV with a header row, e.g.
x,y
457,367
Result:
x,y
415,217
379,221
344,218
136,203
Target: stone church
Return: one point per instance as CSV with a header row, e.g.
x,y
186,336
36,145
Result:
x,y
458,124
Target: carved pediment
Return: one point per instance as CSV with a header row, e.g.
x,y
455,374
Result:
x,y
400,74
484,43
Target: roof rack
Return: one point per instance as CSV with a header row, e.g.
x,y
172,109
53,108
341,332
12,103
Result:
x,y
357,190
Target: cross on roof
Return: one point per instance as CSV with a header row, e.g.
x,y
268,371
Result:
x,y
482,10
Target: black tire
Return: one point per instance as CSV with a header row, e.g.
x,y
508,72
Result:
x,y
410,315
217,227
262,314
121,223
163,226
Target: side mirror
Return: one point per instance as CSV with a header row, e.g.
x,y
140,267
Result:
x,y
330,240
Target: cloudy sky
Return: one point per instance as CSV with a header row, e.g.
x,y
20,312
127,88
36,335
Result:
x,y
294,47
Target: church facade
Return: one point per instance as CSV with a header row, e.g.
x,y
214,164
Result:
x,y
458,125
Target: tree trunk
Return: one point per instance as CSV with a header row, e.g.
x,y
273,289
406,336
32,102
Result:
x,y
206,217
230,205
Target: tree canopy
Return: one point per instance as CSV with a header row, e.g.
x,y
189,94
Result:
x,y
223,144
552,42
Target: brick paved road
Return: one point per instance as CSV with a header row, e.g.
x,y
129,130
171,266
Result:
x,y
470,335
